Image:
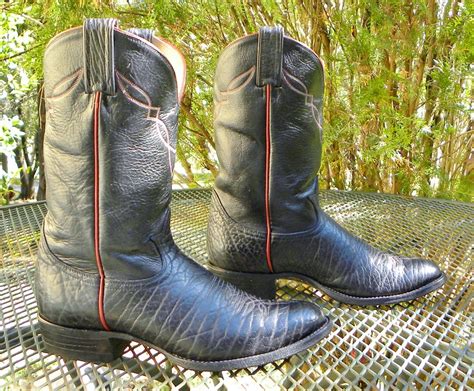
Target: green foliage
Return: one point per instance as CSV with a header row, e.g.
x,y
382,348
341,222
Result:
x,y
398,100
10,133
17,90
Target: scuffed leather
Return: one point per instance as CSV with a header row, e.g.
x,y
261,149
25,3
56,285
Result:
x,y
152,291
304,239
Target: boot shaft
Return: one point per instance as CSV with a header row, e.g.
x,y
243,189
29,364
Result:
x,y
112,101
268,115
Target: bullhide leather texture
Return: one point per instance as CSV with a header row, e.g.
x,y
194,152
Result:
x,y
265,221
108,271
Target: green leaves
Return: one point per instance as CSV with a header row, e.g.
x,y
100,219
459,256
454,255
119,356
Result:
x,y
398,80
10,133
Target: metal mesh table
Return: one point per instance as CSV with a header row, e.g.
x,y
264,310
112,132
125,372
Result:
x,y
426,343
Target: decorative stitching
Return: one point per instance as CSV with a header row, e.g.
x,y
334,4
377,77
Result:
x,y
152,115
76,75
232,90
170,149
309,99
148,105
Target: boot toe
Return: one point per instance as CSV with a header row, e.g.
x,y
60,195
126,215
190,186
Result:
x,y
304,319
421,272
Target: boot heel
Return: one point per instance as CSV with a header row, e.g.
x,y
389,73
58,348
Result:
x,y
259,284
83,345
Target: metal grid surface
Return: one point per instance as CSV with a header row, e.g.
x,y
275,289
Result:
x,y
426,343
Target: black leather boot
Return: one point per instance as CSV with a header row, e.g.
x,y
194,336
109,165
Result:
x,y
265,222
108,270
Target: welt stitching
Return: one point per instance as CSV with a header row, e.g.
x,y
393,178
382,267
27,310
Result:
x,y
326,322
261,354
383,296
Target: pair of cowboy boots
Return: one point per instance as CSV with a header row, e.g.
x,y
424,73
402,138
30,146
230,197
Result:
x,y
108,270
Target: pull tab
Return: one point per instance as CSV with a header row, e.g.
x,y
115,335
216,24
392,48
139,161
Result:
x,y
269,56
143,33
98,39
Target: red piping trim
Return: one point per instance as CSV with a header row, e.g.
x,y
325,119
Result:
x,y
98,259
267,177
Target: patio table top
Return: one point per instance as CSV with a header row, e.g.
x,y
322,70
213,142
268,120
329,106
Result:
x,y
426,343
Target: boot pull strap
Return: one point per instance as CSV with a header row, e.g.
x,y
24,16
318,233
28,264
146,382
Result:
x,y
143,33
99,55
269,56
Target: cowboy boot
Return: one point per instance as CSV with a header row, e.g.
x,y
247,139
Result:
x,y
265,222
108,271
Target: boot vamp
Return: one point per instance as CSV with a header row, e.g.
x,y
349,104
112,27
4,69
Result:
x,y
334,257
189,312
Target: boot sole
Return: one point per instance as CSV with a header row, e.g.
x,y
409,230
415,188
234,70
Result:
x,y
106,346
263,285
